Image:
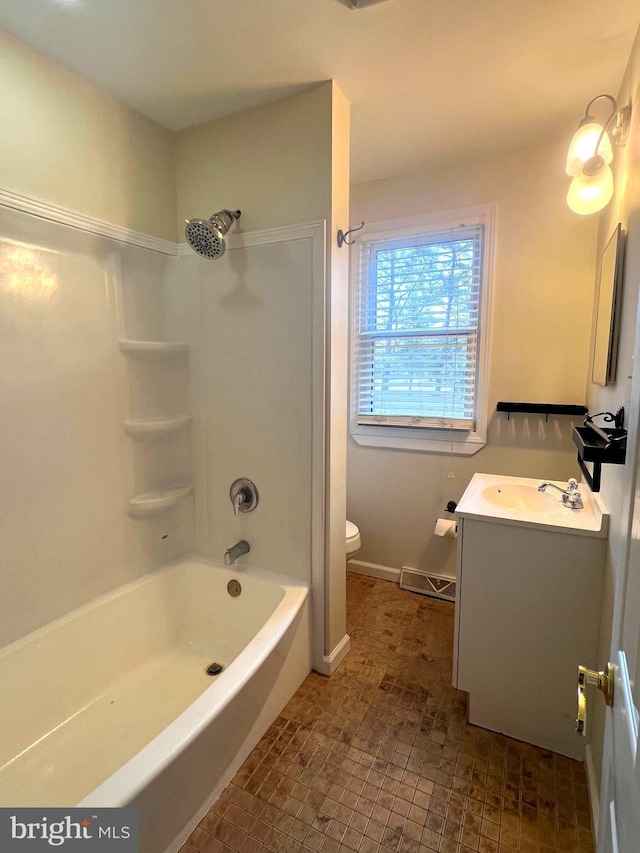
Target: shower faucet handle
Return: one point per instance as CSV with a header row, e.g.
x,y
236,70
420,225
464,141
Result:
x,y
243,495
239,499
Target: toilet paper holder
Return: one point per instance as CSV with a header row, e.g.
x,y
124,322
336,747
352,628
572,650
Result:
x,y
446,527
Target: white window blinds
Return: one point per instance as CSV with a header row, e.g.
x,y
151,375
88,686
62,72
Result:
x,y
416,341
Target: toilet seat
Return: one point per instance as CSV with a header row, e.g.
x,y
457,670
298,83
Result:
x,y
352,539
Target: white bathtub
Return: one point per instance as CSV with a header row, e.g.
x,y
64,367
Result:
x,y
111,705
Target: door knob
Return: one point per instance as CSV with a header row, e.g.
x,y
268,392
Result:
x,y
603,681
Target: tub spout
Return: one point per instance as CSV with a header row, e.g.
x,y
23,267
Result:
x,y
237,550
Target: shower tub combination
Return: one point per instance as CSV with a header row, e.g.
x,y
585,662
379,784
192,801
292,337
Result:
x,y
112,705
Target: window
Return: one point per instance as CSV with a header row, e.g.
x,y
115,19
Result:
x,y
421,312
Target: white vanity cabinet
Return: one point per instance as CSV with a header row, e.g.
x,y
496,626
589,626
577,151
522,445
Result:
x,y
530,575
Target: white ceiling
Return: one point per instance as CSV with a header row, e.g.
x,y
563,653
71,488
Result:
x,y
428,79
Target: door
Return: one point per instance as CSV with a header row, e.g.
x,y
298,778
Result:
x,y
619,823
619,820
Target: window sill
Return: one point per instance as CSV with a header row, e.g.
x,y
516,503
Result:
x,y
419,440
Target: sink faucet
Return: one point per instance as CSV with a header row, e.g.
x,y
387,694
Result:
x,y
237,550
571,497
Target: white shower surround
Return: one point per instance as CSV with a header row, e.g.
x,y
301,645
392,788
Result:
x,y
117,260
85,255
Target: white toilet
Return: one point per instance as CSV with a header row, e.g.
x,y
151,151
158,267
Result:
x,y
353,541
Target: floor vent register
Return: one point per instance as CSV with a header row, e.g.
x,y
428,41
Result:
x,y
426,583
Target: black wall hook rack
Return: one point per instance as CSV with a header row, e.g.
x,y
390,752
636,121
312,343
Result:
x,y
342,236
545,409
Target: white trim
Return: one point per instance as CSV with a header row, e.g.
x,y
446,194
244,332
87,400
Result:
x,y
319,484
447,443
332,661
593,788
63,216
373,570
426,439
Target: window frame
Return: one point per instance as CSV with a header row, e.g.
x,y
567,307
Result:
x,y
427,438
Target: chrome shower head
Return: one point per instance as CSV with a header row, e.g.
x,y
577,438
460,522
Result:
x,y
206,236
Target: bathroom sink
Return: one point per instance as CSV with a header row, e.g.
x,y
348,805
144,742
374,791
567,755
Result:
x,y
501,499
518,498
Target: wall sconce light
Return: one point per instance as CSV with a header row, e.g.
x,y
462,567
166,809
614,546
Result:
x,y
589,156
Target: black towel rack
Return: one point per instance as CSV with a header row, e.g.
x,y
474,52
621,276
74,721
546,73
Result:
x,y
600,446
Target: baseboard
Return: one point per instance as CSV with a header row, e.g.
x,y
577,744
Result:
x,y
373,570
593,785
332,661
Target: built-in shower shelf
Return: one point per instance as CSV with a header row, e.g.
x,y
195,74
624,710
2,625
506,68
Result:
x,y
155,428
156,502
153,349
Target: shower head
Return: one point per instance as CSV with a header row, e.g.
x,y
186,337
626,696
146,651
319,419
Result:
x,y
206,236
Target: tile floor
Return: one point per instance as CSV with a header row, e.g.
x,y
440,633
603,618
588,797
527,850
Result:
x,y
379,758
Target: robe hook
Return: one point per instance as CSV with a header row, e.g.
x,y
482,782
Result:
x,y
342,236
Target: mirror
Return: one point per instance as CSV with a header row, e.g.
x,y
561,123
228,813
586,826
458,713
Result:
x,y
607,310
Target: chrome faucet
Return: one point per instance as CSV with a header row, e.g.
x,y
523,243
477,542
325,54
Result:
x,y
571,497
237,550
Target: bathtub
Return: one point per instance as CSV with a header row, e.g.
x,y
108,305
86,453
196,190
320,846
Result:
x,y
112,705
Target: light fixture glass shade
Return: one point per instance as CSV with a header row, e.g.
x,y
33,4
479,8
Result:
x,y
583,146
592,187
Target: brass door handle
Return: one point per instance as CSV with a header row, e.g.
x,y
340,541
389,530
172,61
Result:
x,y
603,681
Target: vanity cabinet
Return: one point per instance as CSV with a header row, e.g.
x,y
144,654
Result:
x,y
528,611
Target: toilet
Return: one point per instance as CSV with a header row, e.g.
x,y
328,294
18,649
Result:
x,y
353,540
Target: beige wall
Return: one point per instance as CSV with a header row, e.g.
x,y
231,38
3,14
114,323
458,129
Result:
x,y
72,145
271,162
67,143
543,294
617,480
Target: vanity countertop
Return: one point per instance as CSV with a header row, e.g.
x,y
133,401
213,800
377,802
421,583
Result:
x,y
517,501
